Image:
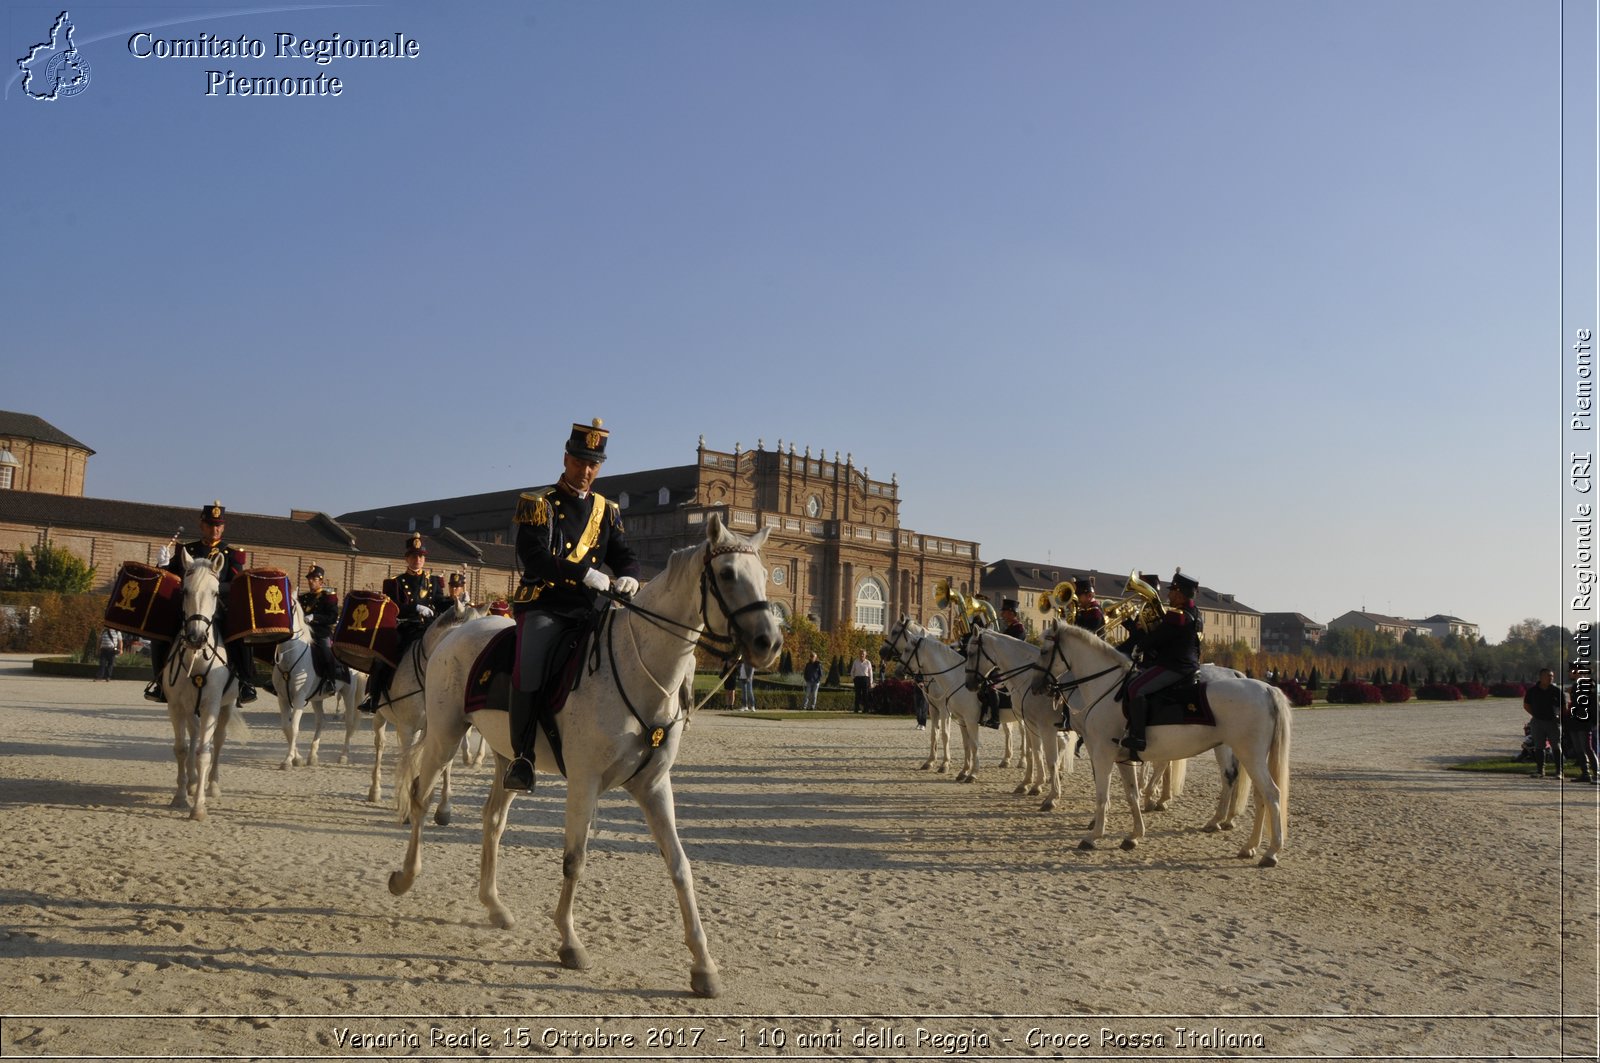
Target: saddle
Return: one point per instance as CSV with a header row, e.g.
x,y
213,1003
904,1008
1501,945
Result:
x,y
1183,702
494,672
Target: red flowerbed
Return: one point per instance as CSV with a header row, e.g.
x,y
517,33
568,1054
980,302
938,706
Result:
x,y
1354,692
1438,692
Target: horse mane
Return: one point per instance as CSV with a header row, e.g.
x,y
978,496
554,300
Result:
x,y
1092,642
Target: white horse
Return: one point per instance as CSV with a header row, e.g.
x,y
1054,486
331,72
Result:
x,y
295,681
201,690
1252,718
1017,661
937,668
405,707
620,727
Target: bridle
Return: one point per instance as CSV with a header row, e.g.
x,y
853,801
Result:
x,y
975,676
910,662
1061,686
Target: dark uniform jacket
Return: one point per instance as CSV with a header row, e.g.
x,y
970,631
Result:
x,y
321,609
560,537
408,591
1016,630
236,560
1092,617
1175,642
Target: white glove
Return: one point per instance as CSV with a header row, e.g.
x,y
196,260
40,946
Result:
x,y
626,586
164,558
424,611
594,579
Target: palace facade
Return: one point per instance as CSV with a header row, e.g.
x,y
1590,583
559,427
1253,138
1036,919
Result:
x,y
836,552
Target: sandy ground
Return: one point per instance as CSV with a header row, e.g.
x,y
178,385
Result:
x,y
858,907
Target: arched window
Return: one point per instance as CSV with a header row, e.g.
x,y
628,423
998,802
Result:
x,y
663,496
622,500
936,626
781,612
869,605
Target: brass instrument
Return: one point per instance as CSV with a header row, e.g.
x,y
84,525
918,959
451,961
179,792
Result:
x,y
1062,600
1152,609
1119,613
945,596
979,611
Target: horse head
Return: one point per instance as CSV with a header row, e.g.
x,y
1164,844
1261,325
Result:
x,y
902,640
202,580
736,578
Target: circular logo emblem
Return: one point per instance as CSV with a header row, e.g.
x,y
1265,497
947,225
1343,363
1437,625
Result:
x,y
67,73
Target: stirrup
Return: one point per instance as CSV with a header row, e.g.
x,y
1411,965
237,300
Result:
x,y
153,692
519,775
247,693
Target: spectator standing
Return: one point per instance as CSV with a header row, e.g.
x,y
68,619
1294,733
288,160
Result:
x,y
1580,729
861,677
1545,704
728,681
919,702
813,678
747,686
110,647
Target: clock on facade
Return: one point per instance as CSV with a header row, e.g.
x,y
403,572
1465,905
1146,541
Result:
x,y
813,506
779,574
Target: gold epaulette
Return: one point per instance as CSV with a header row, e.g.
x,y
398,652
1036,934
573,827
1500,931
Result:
x,y
533,508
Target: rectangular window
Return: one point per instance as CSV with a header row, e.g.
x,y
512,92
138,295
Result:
x,y
6,472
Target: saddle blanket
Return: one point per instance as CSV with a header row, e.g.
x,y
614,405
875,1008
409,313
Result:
x,y
492,673
1184,703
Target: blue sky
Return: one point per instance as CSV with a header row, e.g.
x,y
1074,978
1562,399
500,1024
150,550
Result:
x,y
1267,290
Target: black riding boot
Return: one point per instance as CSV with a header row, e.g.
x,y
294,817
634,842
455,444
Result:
x,y
243,659
1133,741
158,663
377,686
519,775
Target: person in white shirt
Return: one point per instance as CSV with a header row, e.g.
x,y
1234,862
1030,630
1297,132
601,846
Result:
x,y
861,675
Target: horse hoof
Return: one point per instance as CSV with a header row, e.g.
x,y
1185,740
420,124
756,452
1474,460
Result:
x,y
501,918
1086,845
1049,805
197,814
970,778
1245,854
941,769
1211,828
442,816
705,983
1128,845
398,883
573,957
343,759
1268,861
1022,788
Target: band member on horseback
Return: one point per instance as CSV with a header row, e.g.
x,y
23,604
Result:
x,y
213,521
1090,613
320,607
1171,652
564,533
995,695
456,591
418,595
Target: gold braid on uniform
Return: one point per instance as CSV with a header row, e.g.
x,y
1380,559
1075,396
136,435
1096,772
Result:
x,y
533,508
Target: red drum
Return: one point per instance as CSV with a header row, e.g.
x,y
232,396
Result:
x,y
146,601
258,606
369,630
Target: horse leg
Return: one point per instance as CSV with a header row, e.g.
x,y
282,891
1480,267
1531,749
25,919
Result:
x,y
204,756
341,694
1052,767
1269,809
180,753
494,825
316,735
1101,761
442,814
941,741
375,791
659,813
581,797
1005,754
415,785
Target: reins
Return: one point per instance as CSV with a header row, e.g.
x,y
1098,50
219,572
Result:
x,y
1062,687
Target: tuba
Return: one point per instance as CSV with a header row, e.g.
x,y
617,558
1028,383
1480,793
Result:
x,y
945,596
1151,607
1062,600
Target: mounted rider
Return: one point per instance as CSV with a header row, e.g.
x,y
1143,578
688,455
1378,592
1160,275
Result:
x,y
1171,652
213,521
1091,614
564,533
418,596
994,695
320,607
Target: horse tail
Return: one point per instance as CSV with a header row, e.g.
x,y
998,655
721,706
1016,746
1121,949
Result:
x,y
1278,757
234,727
1177,772
405,776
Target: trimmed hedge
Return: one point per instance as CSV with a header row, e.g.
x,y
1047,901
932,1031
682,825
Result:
x,y
1298,695
1508,690
1354,692
1394,693
1474,690
1438,692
